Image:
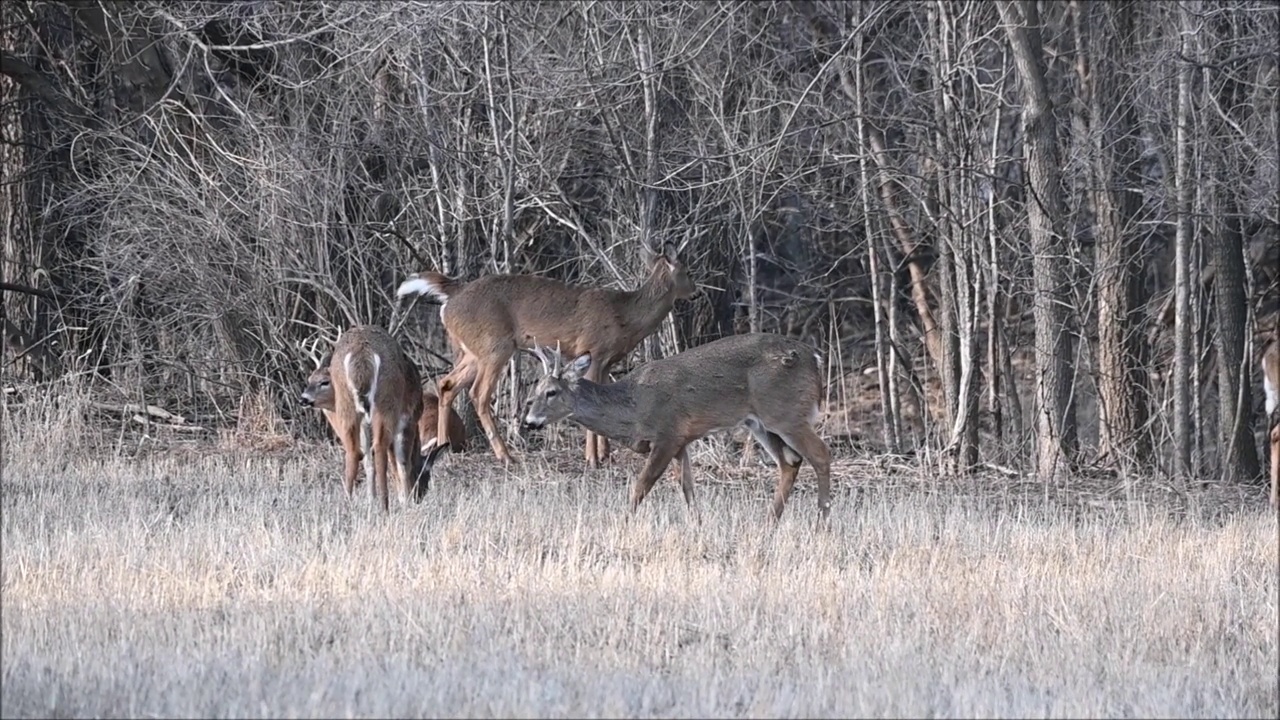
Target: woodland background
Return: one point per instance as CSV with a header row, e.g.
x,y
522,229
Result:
x,y
1048,231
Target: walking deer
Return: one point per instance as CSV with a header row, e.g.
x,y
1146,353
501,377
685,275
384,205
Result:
x,y
1271,386
769,383
377,403
318,394
488,319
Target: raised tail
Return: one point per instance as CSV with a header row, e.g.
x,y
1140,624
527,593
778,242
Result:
x,y
432,283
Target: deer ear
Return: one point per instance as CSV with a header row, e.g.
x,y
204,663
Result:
x,y
670,252
577,368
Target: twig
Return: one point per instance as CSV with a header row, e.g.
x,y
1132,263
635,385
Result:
x,y
151,423
130,408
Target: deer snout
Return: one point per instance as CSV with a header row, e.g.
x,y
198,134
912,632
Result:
x,y
307,400
533,422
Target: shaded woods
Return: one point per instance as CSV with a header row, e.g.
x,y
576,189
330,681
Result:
x,y
1048,232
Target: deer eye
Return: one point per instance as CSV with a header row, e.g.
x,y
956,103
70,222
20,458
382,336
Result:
x,y
552,393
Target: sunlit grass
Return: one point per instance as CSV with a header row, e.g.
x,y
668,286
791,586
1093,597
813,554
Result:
x,y
243,584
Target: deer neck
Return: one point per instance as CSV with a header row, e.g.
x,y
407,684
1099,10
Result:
x,y
647,305
605,408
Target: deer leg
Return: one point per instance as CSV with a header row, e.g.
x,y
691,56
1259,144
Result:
x,y
786,458
403,461
367,451
380,452
771,443
660,456
1275,465
811,447
460,378
787,474
352,457
597,445
482,398
686,483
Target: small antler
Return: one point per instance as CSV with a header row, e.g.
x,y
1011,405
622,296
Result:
x,y
537,351
310,348
551,359
558,360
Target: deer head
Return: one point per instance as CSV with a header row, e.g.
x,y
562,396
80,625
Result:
x,y
551,399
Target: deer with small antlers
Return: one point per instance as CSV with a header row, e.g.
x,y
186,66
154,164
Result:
x,y
319,394
377,405
488,319
1271,386
769,383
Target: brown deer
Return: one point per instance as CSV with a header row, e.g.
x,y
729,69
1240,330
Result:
x,y
1271,386
319,394
769,383
488,319
377,403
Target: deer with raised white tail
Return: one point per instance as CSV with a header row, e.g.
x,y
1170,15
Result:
x,y
1271,386
769,383
377,404
488,319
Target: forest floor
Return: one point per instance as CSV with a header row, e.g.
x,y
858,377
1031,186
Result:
x,y
209,578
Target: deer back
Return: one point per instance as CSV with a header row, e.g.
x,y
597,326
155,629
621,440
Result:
x,y
716,385
538,310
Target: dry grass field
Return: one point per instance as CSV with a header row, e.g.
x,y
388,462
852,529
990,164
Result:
x,y
233,583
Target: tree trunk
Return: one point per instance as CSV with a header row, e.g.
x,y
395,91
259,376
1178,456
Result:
x,y
1055,403
1182,365
890,422
1237,455
1105,42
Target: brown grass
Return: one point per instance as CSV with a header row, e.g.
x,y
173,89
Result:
x,y
205,583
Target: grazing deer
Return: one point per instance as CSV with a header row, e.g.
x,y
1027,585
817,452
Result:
x,y
1271,386
319,394
769,383
488,319
377,403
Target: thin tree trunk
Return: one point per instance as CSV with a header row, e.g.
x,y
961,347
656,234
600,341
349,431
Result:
x,y
890,423
1182,361
1055,406
959,296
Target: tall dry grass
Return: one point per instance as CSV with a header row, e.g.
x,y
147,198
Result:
x,y
237,584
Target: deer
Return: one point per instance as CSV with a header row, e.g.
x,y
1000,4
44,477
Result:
x,y
319,394
1271,387
488,319
377,405
769,383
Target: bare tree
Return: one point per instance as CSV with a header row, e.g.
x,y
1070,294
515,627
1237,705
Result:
x,y
1223,95
198,187
1104,37
1055,400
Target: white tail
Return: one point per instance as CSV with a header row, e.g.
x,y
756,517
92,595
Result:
x,y
376,400
769,383
488,319
1271,386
